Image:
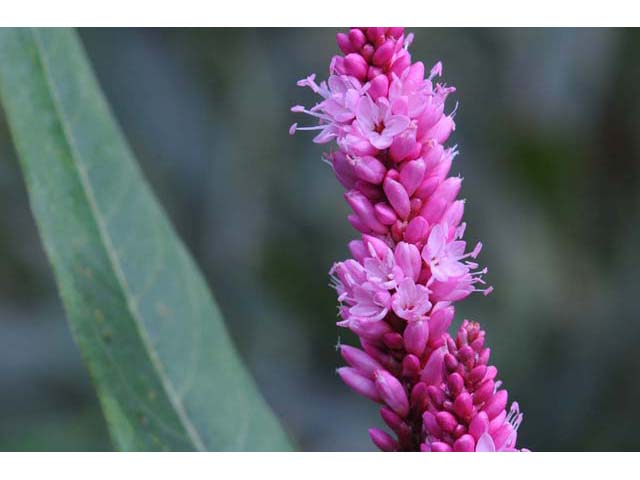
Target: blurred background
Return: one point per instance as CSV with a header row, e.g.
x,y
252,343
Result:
x,y
548,128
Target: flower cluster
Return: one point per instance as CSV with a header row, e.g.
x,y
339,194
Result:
x,y
410,263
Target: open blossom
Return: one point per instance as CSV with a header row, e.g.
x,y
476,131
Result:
x,y
410,262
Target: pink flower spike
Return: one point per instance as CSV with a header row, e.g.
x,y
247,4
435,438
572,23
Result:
x,y
409,265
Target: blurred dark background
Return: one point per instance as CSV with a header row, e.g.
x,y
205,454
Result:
x,y
548,127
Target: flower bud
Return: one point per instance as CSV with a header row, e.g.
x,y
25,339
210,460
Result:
x,y
359,383
411,175
360,360
397,196
392,392
382,440
415,336
356,66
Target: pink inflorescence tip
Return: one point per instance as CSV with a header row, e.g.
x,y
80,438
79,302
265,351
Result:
x,y
410,262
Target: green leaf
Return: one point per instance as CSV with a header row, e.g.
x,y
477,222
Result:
x,y
166,372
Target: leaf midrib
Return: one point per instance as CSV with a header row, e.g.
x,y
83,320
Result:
x,y
112,255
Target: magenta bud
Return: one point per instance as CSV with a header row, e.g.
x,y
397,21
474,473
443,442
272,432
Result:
x,y
466,354
343,169
359,383
479,425
434,208
369,169
367,52
382,440
432,157
392,392
465,443
416,335
449,189
358,224
374,72
395,32
455,382
374,34
385,214
477,374
454,213
411,175
483,392
483,358
378,87
463,405
440,131
429,118
393,340
451,362
375,247
440,447
397,196
404,146
362,207
436,395
372,192
446,421
440,320
384,53
360,360
408,258
442,169
357,38
344,43
491,373
496,404
419,394
410,366
427,187
356,66
430,424
372,331
358,250
417,230
432,371
391,418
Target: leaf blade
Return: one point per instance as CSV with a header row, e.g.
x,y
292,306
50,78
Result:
x,y
159,315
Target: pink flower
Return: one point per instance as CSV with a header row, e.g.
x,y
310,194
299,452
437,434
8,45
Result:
x,y
383,272
341,94
411,301
444,257
375,122
369,302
